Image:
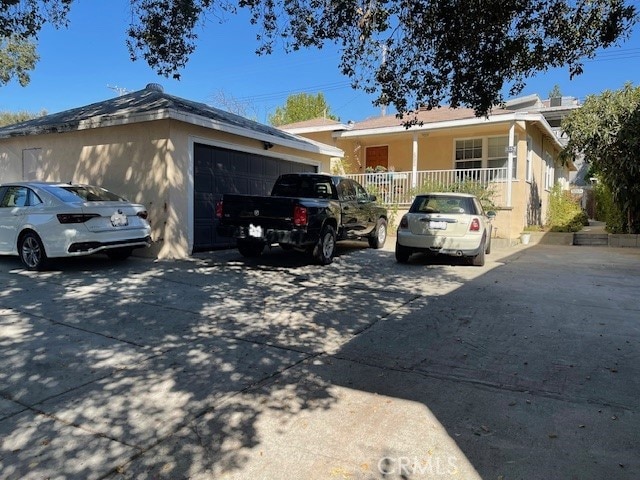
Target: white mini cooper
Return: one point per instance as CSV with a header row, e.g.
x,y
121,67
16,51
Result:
x,y
446,224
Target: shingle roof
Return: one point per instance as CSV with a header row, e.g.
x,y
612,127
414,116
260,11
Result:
x,y
442,114
150,100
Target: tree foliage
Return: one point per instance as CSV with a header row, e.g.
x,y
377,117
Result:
x,y
607,131
460,52
300,107
9,118
17,58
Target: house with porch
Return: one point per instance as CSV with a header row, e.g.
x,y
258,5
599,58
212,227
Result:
x,y
513,155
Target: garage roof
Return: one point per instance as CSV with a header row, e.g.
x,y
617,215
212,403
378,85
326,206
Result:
x,y
152,103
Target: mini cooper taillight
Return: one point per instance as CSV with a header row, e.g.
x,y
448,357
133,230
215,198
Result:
x,y
219,209
404,222
475,225
300,218
75,217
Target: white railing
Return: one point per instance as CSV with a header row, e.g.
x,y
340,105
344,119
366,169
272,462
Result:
x,y
399,188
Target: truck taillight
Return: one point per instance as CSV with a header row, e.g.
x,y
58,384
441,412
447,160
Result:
x,y
219,209
404,222
475,225
300,218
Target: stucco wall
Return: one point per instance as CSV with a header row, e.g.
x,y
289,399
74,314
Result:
x,y
129,160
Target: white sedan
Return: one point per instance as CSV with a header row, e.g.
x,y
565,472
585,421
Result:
x,y
41,220
445,224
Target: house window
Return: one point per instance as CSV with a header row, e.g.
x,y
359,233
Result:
x,y
549,171
497,156
469,153
529,164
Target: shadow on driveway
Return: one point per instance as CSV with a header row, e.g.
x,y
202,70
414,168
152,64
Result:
x,y
225,367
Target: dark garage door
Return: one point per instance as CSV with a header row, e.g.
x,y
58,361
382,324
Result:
x,y
217,171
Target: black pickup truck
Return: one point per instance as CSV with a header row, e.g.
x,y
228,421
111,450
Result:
x,y
306,211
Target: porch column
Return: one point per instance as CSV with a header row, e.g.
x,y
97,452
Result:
x,y
511,151
414,168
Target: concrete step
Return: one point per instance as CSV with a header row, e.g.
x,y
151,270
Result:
x,y
593,239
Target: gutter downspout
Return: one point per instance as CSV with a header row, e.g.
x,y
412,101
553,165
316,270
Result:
x,y
414,168
512,148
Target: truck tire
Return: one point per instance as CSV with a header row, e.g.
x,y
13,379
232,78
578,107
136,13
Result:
x,y
250,248
379,234
325,249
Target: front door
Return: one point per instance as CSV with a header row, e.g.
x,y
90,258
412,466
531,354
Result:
x,y
377,156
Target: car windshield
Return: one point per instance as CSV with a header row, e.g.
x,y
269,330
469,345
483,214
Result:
x,y
443,204
85,193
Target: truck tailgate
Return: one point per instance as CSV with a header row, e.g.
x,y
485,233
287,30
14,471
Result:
x,y
266,211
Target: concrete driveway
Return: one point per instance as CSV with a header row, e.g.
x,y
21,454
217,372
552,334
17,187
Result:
x,y
218,367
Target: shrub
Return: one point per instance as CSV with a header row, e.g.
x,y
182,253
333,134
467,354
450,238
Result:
x,y
565,214
608,211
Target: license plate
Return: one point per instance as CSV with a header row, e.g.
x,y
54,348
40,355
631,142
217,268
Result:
x,y
437,225
119,220
255,231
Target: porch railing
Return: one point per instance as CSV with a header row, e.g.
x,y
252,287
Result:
x,y
399,188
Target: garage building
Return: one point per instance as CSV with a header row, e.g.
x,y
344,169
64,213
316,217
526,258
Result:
x,y
173,155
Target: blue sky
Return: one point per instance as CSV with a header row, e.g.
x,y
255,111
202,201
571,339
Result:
x,y
85,62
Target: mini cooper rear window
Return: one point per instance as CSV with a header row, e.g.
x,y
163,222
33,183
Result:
x,y
443,204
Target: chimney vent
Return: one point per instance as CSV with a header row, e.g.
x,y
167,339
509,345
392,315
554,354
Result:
x,y
154,87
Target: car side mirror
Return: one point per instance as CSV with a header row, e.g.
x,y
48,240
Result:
x,y
491,214
372,198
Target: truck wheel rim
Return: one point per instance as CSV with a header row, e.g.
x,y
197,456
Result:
x,y
328,245
382,234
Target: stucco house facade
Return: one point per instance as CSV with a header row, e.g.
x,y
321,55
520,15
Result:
x,y
173,155
453,145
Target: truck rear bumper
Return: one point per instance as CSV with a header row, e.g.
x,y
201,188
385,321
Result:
x,y
296,237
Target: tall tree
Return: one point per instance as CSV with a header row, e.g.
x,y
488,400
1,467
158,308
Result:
x,y
555,92
462,52
606,130
299,107
17,58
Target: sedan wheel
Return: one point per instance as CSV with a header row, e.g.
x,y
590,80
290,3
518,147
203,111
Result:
x,y
32,252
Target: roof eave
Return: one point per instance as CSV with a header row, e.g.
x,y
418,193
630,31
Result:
x,y
318,129
466,122
297,143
